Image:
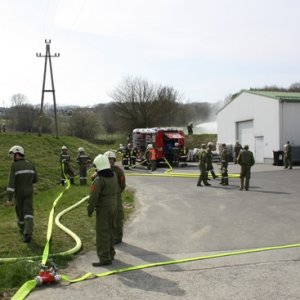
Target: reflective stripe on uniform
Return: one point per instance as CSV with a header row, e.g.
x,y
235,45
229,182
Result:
x,y
9,189
28,217
20,222
25,172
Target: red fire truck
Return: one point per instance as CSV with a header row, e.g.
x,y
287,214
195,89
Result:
x,y
163,140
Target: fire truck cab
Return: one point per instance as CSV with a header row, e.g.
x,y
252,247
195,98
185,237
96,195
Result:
x,y
163,140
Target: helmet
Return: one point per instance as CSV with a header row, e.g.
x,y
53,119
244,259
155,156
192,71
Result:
x,y
16,149
246,147
176,144
80,149
110,154
150,146
210,144
101,162
64,147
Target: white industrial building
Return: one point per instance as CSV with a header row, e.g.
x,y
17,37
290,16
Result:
x,y
264,120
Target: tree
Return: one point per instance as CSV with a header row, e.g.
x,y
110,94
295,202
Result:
x,y
84,124
295,87
18,99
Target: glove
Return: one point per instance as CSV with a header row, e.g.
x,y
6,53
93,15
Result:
x,y
90,212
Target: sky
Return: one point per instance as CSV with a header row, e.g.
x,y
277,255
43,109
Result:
x,y
206,50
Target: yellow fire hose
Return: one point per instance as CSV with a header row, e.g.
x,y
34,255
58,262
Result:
x,y
31,284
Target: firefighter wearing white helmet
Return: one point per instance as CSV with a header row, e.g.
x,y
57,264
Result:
x,y
118,231
65,163
20,186
83,160
103,200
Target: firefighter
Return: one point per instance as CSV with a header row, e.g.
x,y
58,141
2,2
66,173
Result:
x,y
287,155
210,167
133,155
237,148
83,161
21,178
118,231
103,200
202,155
246,161
151,157
65,162
125,151
224,165
175,154
183,153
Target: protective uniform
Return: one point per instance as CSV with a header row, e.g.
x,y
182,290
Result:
x,y
224,165
103,200
246,160
21,178
151,157
175,154
202,156
287,153
65,163
118,231
209,157
133,155
237,148
83,161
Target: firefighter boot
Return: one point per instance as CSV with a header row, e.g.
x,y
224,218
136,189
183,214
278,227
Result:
x,y
214,174
199,181
84,181
242,184
62,182
222,180
72,180
226,181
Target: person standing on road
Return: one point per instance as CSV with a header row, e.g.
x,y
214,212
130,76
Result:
x,y
118,231
103,200
209,156
202,155
83,161
224,165
246,161
287,155
22,176
237,148
65,163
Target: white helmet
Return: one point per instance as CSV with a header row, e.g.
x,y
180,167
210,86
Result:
x,y
64,147
101,162
80,149
110,154
16,149
176,144
150,146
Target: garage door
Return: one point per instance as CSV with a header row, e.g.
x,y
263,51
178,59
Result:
x,y
245,134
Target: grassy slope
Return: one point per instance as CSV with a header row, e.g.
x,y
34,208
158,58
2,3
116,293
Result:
x,y
44,152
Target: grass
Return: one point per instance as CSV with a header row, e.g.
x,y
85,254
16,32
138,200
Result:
x,y
44,152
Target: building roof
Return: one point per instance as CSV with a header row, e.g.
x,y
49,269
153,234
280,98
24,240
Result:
x,y
277,95
283,96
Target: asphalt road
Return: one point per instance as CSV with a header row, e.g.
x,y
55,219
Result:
x,y
174,219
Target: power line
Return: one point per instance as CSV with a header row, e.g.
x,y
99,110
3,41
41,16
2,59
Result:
x,y
48,57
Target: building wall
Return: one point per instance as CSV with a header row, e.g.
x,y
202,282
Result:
x,y
263,111
290,123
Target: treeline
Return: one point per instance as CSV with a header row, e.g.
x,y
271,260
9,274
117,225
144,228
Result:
x,y
135,103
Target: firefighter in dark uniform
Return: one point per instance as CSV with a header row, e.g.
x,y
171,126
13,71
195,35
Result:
x,y
133,155
210,167
246,160
118,231
183,156
237,148
83,161
103,200
224,165
175,154
287,155
125,151
21,178
65,162
202,155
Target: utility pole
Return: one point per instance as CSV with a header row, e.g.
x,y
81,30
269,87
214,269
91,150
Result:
x,y
48,57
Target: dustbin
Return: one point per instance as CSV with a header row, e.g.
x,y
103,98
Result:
x,y
278,158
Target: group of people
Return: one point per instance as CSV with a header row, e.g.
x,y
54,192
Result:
x,y
244,157
105,196
83,160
